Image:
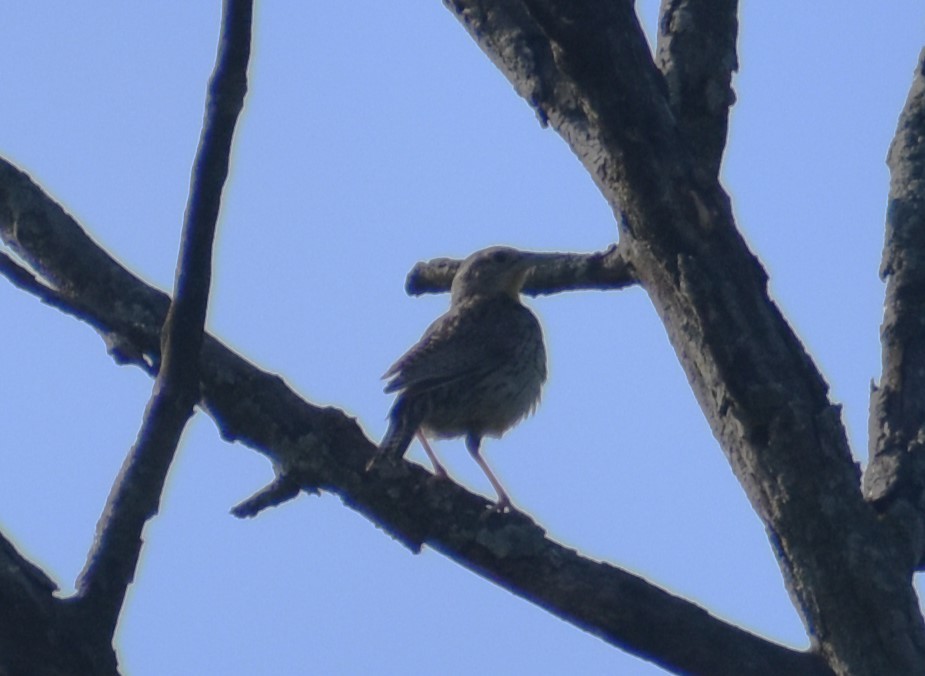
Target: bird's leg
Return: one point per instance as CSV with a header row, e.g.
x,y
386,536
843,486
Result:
x,y
438,468
472,444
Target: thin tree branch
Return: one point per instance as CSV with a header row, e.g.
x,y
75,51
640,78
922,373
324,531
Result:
x,y
136,494
697,55
896,473
605,270
324,449
25,280
585,66
281,490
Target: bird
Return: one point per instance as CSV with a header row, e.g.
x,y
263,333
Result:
x,y
478,369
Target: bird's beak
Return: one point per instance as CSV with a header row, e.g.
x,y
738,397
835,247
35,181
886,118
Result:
x,y
528,262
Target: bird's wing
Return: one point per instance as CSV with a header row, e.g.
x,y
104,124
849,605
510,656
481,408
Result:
x,y
464,342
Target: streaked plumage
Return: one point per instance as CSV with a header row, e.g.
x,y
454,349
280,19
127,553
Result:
x,y
478,369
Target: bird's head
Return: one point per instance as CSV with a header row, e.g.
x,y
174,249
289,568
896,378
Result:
x,y
493,271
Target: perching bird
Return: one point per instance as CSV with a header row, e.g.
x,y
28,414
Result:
x,y
477,370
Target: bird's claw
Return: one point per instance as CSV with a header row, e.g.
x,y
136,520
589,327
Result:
x,y
503,505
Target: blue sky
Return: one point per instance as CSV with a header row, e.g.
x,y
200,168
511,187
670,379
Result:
x,y
375,136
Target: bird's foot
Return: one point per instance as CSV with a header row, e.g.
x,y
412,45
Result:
x,y
503,505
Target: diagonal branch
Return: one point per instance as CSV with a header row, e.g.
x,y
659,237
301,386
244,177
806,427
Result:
x,y
26,281
586,67
697,55
897,469
322,448
136,494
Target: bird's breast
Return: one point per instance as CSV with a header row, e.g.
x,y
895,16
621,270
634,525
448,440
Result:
x,y
492,399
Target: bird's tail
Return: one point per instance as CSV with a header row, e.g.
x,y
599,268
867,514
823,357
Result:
x,y
403,424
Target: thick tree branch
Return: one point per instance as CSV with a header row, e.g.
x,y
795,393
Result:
x,y
322,448
136,494
697,55
585,66
606,270
36,628
896,475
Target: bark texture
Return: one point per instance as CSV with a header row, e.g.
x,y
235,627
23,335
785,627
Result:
x,y
586,68
895,479
316,448
651,132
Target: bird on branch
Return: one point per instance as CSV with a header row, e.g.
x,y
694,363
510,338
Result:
x,y
477,370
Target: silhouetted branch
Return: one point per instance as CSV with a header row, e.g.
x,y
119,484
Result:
x,y
38,628
697,55
653,151
586,67
25,280
323,449
136,494
281,490
897,448
605,270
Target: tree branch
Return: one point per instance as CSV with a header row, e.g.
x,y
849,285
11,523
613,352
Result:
x,y
605,270
697,55
322,448
26,281
136,494
895,477
585,66
36,628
